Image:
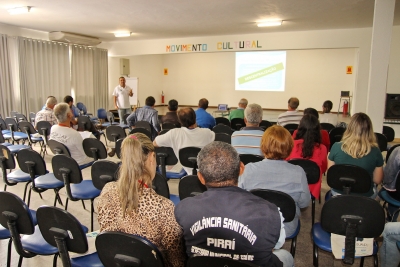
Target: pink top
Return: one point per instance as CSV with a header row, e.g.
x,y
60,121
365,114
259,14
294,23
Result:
x,y
319,156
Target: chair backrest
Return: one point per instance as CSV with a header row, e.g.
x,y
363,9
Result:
x,y
31,162
160,185
32,116
310,168
114,132
103,172
3,124
13,114
390,151
388,132
110,117
143,124
84,123
327,126
265,124
190,186
281,200
223,137
165,156
2,140
237,124
16,217
20,117
248,158
118,147
222,128
94,148
200,261
57,148
335,135
163,131
44,128
11,124
7,159
188,157
121,249
141,130
353,216
27,127
291,127
102,113
66,169
62,230
382,141
349,178
80,106
168,126
222,120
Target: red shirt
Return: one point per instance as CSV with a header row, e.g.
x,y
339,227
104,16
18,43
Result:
x,y
325,140
319,156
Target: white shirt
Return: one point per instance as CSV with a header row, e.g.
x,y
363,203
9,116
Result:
x,y
72,140
122,95
329,118
183,137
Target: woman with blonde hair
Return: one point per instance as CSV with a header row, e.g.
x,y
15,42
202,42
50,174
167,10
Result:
x,y
130,205
358,147
275,173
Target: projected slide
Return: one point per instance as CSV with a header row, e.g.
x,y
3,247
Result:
x,y
260,71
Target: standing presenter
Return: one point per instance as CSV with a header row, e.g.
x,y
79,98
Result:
x,y
121,99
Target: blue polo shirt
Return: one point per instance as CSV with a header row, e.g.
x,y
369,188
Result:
x,y
204,119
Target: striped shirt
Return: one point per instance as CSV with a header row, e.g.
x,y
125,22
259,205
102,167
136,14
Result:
x,y
248,140
289,117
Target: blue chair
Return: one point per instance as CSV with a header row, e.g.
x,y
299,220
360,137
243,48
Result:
x,y
13,148
391,198
190,186
103,172
121,249
17,218
41,180
31,133
347,215
4,128
14,134
160,185
83,111
188,157
44,128
111,120
102,116
63,231
166,156
14,177
67,170
287,207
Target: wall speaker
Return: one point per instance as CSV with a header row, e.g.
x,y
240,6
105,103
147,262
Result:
x,y
344,93
392,108
124,66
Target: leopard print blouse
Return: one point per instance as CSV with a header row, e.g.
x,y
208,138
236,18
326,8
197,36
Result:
x,y
154,220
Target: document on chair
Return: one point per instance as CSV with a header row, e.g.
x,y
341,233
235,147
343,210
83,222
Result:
x,y
174,168
86,134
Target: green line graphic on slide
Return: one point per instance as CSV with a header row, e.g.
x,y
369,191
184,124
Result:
x,y
260,73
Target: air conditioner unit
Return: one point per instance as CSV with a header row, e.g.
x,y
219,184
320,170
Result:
x,y
73,38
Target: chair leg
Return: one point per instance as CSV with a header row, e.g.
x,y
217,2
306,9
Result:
x,y
20,261
361,261
29,197
40,195
91,214
315,255
293,246
26,186
9,253
5,187
83,204
57,198
66,204
313,211
376,260
55,260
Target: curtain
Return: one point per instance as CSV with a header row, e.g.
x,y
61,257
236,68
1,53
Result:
x,y
89,76
44,70
6,82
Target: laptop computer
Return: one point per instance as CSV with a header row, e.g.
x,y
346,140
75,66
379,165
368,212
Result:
x,y
222,107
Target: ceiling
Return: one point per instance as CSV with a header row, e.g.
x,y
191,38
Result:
x,y
151,19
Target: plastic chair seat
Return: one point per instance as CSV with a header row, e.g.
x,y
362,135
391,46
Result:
x,y
105,124
18,176
295,232
48,181
323,239
4,233
5,132
6,144
174,198
386,197
174,175
33,214
19,135
35,243
91,260
86,165
15,148
84,190
36,139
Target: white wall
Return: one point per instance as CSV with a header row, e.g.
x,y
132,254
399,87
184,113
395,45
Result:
x,y
16,31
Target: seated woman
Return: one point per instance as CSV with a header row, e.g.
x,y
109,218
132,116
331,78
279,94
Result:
x,y
131,206
307,145
325,140
277,174
358,147
327,116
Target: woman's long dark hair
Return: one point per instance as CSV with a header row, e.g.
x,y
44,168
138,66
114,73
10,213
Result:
x,y
310,131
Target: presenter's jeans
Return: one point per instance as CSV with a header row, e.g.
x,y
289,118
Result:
x,y
121,113
389,253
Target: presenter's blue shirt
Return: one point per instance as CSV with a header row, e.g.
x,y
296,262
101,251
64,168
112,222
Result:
x,y
204,119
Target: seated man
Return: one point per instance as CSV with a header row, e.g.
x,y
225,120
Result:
x,y
203,118
292,115
248,139
389,253
219,221
63,133
146,113
74,110
391,171
188,135
239,112
327,116
171,116
47,113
